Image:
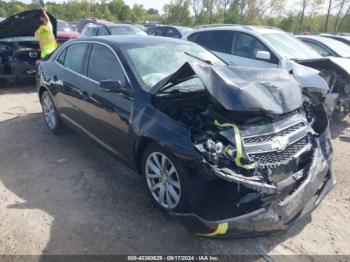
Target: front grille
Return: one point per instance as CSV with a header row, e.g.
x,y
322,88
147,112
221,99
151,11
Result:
x,y
269,137
280,157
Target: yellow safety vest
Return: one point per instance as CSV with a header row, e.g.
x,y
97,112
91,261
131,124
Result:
x,y
46,40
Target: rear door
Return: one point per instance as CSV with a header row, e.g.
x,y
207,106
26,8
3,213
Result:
x,y
68,82
106,114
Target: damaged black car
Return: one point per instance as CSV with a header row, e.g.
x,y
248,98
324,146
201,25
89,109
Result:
x,y
227,151
19,50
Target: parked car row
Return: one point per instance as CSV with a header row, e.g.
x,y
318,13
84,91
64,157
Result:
x,y
265,47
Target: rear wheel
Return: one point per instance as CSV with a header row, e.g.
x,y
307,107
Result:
x,y
168,182
51,116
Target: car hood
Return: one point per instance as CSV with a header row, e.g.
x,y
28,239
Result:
x,y
241,89
23,24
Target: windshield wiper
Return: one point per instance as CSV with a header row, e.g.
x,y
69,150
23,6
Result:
x,y
198,58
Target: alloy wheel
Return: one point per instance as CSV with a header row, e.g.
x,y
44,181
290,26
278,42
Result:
x,y
163,180
49,111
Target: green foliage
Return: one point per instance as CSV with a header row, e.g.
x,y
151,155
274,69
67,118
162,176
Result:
x,y
180,12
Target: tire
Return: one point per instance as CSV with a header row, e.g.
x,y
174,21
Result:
x,y
181,192
52,119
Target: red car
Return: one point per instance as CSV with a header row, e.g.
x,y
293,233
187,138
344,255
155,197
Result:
x,y
65,32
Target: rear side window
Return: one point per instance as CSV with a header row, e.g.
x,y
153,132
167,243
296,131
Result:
x,y
172,32
74,57
103,64
60,59
218,40
160,31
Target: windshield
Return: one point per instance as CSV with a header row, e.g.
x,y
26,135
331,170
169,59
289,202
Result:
x,y
154,62
290,47
340,48
126,30
63,27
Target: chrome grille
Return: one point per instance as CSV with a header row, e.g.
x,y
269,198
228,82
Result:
x,y
276,157
269,137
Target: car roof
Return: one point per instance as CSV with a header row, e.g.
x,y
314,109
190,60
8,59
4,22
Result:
x,y
131,40
337,36
315,37
175,26
261,30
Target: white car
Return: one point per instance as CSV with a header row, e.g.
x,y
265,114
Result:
x,y
267,47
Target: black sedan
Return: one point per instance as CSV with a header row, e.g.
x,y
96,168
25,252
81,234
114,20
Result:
x,y
225,150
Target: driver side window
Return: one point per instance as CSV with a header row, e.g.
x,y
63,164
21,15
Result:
x,y
103,65
247,46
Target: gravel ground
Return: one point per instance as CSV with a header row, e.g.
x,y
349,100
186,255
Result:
x,y
64,195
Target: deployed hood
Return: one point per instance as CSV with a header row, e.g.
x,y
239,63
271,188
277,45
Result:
x,y
23,24
241,89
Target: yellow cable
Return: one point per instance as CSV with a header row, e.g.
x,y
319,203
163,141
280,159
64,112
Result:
x,y
239,149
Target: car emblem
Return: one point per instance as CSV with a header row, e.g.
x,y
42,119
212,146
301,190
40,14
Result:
x,y
279,143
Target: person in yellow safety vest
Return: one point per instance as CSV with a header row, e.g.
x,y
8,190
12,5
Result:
x,y
45,36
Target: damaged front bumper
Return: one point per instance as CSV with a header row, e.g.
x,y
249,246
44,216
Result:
x,y
279,215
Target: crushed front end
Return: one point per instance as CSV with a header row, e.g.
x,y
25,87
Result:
x,y
285,172
264,149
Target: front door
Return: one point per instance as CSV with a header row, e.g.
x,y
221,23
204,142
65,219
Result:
x,y
107,114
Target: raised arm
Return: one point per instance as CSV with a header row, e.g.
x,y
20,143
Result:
x,y
45,14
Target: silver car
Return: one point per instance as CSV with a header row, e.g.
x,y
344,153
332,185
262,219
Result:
x,y
267,47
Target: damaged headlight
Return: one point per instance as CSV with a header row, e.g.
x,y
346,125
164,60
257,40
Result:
x,y
212,150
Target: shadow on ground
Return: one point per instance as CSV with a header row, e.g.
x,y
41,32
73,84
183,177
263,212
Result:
x,y
339,130
98,205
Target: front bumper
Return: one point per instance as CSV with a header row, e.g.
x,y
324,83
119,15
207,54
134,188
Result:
x,y
278,216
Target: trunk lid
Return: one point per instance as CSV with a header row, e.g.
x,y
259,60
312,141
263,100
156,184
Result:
x,y
23,24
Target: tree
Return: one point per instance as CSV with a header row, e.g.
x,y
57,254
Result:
x,y
152,11
197,8
327,16
138,13
209,6
177,12
338,16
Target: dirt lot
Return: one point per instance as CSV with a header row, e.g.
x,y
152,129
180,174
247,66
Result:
x,y
63,195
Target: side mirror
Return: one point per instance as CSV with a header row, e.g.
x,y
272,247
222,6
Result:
x,y
264,55
113,86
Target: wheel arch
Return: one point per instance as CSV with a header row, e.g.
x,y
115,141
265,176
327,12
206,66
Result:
x,y
140,148
41,90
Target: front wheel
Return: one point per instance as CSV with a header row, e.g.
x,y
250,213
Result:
x,y
168,182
